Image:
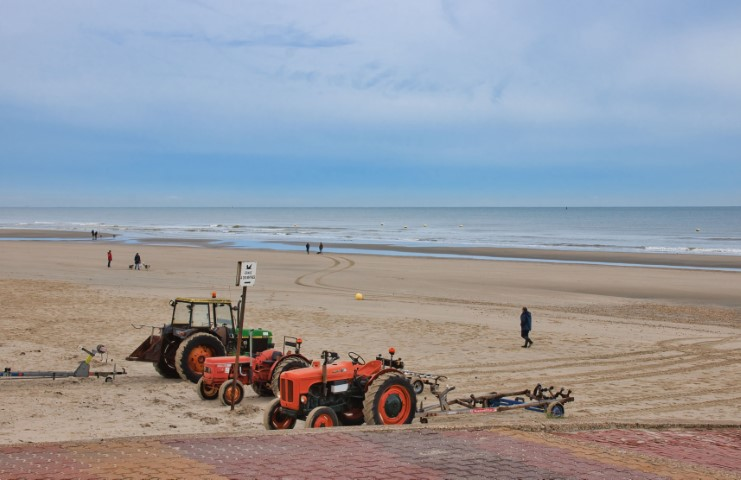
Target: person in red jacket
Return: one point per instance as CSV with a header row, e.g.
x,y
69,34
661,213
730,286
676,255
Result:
x,y
110,258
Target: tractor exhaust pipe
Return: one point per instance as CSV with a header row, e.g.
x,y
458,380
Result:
x,y
325,354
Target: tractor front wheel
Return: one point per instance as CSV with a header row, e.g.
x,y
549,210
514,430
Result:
x,y
165,366
389,400
206,392
165,370
273,419
322,417
193,352
285,364
262,389
231,391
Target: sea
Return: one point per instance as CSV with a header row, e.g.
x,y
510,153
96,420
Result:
x,y
675,230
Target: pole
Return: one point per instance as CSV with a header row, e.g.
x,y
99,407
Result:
x,y
240,324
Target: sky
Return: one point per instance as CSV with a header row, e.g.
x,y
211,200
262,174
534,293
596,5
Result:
x,y
370,103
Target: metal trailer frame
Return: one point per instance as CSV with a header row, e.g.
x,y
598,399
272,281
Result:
x,y
419,380
82,370
540,399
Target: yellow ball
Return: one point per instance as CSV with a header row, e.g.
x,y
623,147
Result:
x,y
358,296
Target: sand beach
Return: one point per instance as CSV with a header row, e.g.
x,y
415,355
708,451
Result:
x,y
637,345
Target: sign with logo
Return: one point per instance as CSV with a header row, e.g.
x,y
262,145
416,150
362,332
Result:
x,y
246,274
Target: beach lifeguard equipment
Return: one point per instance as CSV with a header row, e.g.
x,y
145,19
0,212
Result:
x,y
358,296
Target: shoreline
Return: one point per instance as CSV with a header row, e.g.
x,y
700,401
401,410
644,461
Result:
x,y
647,259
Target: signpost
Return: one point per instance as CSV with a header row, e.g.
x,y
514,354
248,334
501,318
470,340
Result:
x,y
246,275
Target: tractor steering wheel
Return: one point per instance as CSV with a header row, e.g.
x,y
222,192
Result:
x,y
356,359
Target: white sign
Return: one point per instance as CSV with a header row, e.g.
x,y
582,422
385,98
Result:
x,y
246,274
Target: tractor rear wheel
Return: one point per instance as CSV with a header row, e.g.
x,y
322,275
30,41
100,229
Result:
x,y
322,417
285,364
231,391
262,389
389,400
193,352
206,392
273,419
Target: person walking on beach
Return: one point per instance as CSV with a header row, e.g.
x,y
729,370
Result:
x,y
307,248
110,258
526,324
137,262
321,247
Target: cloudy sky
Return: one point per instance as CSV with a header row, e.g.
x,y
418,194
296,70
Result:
x,y
370,103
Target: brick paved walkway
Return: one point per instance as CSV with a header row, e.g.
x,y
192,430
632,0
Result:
x,y
367,453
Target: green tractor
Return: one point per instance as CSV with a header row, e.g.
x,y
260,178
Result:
x,y
200,328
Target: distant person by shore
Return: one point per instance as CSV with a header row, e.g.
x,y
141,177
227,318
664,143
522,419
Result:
x,y
321,247
308,247
137,262
110,258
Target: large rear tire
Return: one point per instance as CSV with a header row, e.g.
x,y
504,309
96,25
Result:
x,y
193,352
389,400
207,392
285,364
231,391
322,417
273,419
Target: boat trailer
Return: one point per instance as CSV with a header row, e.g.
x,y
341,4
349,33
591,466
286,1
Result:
x,y
540,399
82,370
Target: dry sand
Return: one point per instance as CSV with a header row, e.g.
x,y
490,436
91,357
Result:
x,y
636,345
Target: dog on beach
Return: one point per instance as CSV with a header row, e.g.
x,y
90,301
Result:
x,y
146,267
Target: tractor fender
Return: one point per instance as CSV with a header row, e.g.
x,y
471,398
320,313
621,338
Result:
x,y
378,374
284,357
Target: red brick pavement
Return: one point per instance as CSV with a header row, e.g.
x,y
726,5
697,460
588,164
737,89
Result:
x,y
391,453
719,449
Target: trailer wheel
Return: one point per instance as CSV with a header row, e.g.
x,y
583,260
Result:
x,y
419,387
555,410
322,417
206,392
273,419
231,390
193,352
285,364
390,400
262,389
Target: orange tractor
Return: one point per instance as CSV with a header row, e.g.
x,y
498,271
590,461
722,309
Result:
x,y
262,372
332,392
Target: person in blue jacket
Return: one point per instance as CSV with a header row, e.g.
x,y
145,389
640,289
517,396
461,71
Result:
x,y
526,324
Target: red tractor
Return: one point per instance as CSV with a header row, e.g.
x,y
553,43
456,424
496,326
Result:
x,y
332,392
262,372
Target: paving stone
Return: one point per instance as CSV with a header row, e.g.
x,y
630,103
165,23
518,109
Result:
x,y
389,454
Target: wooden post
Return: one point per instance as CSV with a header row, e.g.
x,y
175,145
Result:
x,y
240,324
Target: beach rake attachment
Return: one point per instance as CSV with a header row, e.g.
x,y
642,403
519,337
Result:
x,y
82,370
546,400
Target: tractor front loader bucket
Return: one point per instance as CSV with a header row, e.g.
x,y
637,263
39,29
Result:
x,y
148,351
